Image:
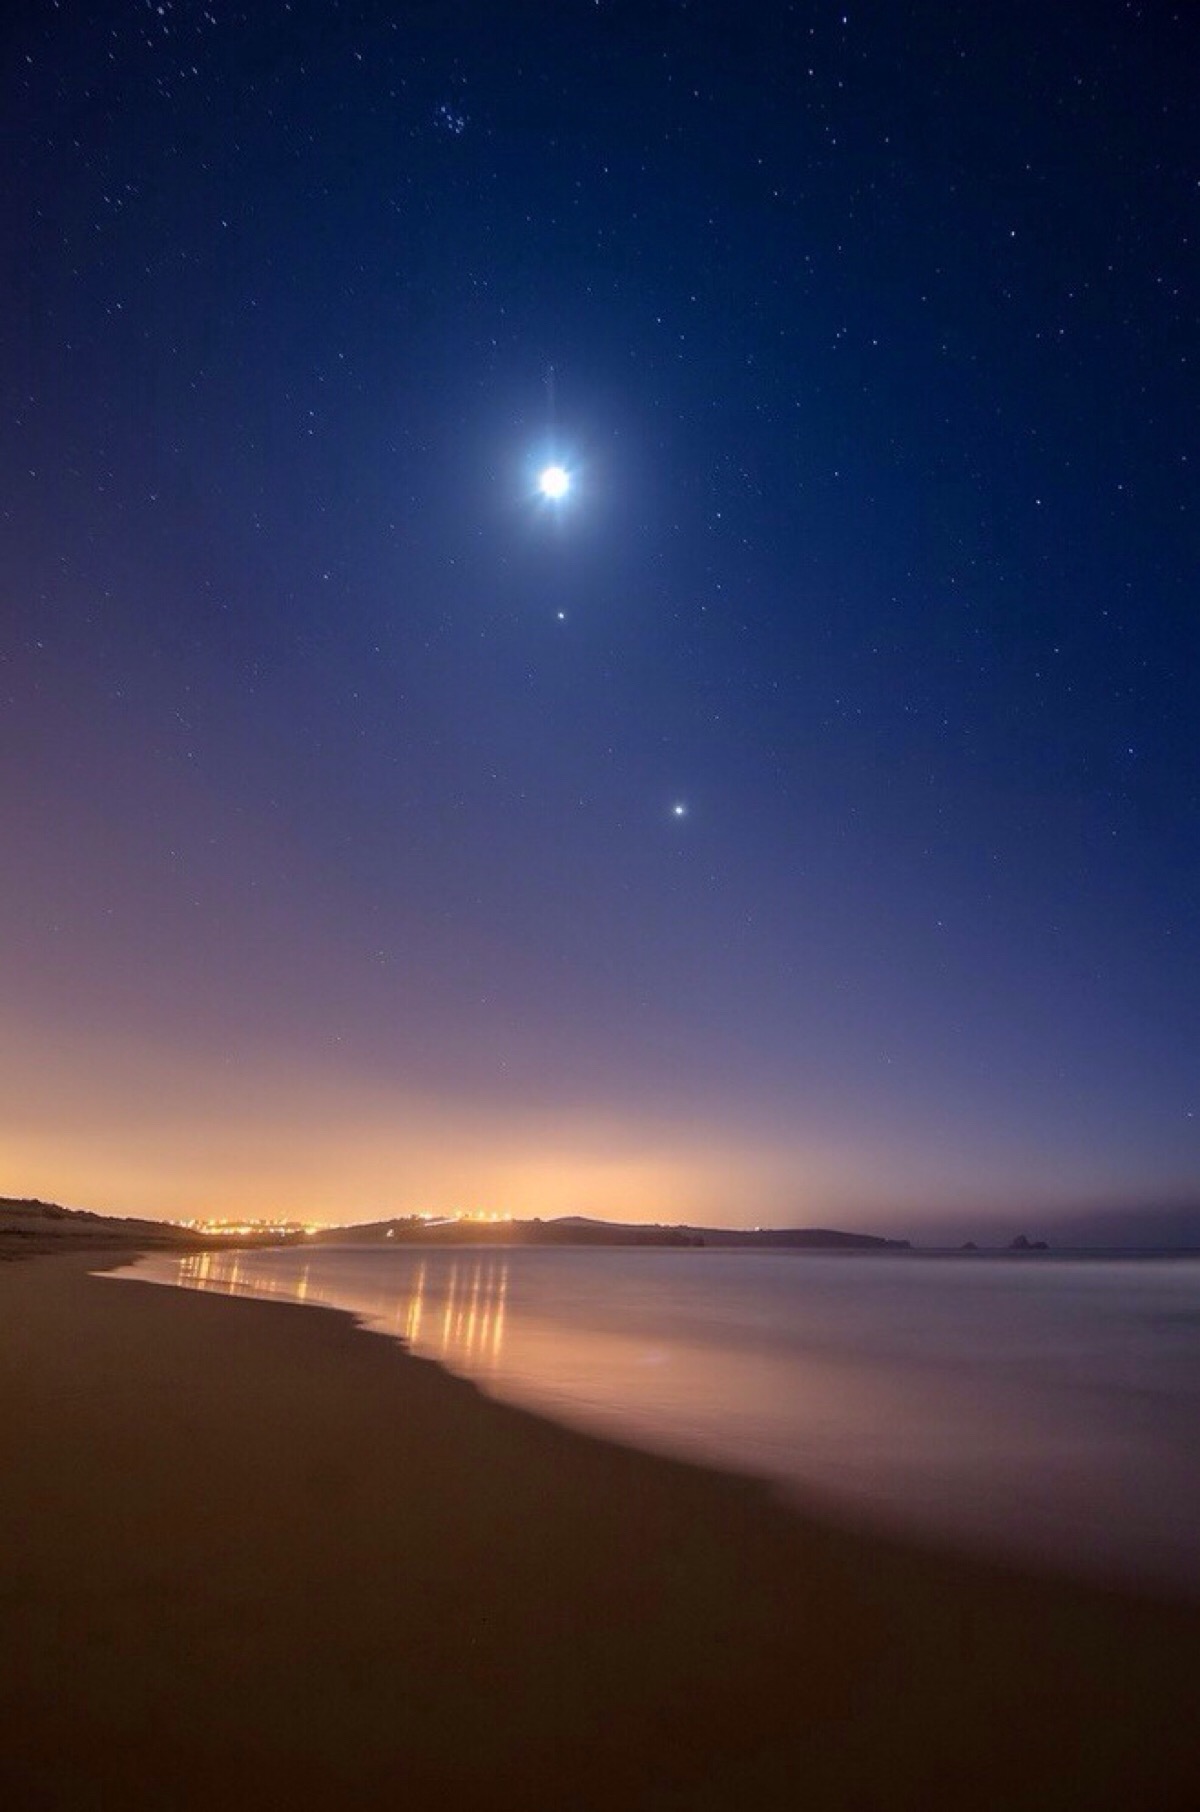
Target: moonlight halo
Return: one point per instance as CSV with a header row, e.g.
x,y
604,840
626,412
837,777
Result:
x,y
554,482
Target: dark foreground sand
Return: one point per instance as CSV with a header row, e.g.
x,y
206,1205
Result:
x,y
253,1557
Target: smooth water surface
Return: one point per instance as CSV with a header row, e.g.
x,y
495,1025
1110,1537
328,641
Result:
x,y
1040,1407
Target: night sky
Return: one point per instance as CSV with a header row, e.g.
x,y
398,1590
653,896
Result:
x,y
342,870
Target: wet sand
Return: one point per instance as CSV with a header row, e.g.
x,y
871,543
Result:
x,y
252,1556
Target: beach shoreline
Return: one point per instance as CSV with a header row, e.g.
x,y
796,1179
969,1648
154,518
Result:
x,y
252,1556
824,1391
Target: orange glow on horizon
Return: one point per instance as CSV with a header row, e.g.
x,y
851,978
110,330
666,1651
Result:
x,y
123,1129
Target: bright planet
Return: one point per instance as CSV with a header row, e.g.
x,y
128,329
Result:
x,y
554,482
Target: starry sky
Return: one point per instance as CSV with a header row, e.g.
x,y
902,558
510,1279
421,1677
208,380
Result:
x,y
339,767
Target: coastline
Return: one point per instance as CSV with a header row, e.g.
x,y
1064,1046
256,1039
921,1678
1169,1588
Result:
x,y
251,1556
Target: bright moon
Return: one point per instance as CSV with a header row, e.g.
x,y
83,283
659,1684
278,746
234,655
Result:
x,y
554,482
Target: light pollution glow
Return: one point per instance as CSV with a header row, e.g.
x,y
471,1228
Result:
x,y
126,1129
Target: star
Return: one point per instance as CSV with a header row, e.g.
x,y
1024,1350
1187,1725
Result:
x,y
554,482
679,810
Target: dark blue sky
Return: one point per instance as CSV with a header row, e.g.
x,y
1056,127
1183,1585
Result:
x,y
338,767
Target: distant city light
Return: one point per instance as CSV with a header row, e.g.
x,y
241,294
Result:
x,y
249,1229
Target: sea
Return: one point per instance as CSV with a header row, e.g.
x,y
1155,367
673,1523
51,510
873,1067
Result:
x,y
1040,1408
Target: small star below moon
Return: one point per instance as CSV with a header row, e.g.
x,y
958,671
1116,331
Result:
x,y
561,615
554,482
679,810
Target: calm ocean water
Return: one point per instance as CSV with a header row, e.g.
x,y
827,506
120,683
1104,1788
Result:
x,y
1040,1407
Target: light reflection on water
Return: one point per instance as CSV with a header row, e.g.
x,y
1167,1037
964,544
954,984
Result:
x,y
1045,1408
459,1318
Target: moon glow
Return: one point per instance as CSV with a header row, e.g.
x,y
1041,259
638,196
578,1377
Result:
x,y
554,482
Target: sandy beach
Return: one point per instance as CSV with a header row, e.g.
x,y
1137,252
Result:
x,y
252,1555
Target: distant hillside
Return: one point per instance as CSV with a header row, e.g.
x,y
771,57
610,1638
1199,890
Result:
x,y
29,1226
413,1231
576,1230
824,1239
